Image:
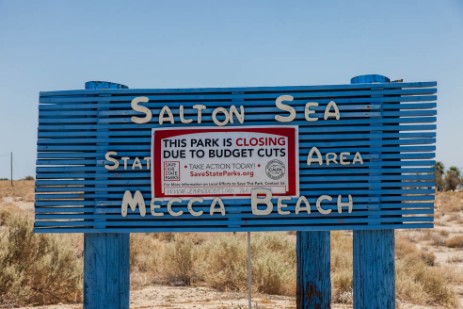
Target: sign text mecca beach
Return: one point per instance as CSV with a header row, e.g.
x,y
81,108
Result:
x,y
357,156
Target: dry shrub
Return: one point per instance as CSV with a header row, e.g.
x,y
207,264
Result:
x,y
216,260
164,258
145,251
435,237
441,222
224,262
428,257
457,259
220,261
454,275
179,259
274,263
417,281
163,236
404,248
455,242
36,269
444,233
454,217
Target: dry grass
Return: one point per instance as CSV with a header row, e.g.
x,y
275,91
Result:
x,y
454,217
422,284
36,269
455,242
216,260
180,260
431,236
224,262
455,259
145,252
453,274
404,249
275,263
219,261
417,281
449,202
22,190
341,267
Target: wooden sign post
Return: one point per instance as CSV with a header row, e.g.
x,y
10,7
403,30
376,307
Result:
x,y
373,260
106,255
313,270
113,161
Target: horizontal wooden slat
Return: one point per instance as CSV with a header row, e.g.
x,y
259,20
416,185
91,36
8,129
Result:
x,y
227,94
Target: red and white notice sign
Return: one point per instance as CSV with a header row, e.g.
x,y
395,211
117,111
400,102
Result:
x,y
224,162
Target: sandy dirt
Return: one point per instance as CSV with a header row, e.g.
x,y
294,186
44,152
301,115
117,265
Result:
x,y
195,297
198,297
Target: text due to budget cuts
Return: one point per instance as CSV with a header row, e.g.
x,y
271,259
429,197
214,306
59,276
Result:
x,y
226,162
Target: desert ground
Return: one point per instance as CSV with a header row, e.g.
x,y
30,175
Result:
x,y
441,249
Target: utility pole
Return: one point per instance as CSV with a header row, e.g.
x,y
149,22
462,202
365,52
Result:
x,y
11,165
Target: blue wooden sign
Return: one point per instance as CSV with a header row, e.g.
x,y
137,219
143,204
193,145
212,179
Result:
x,y
306,158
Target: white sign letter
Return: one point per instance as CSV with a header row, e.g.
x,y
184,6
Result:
x,y
169,207
335,113
169,117
292,112
310,159
307,111
142,109
199,107
298,205
281,205
239,115
182,115
154,207
349,204
190,206
109,158
266,200
133,201
357,158
319,201
216,120
221,208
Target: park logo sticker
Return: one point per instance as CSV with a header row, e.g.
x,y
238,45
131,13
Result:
x,y
275,169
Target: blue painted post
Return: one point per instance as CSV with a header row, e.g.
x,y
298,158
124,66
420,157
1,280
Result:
x,y
106,255
106,270
313,270
373,261
374,281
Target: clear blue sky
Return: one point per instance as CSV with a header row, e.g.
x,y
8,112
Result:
x,y
59,45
